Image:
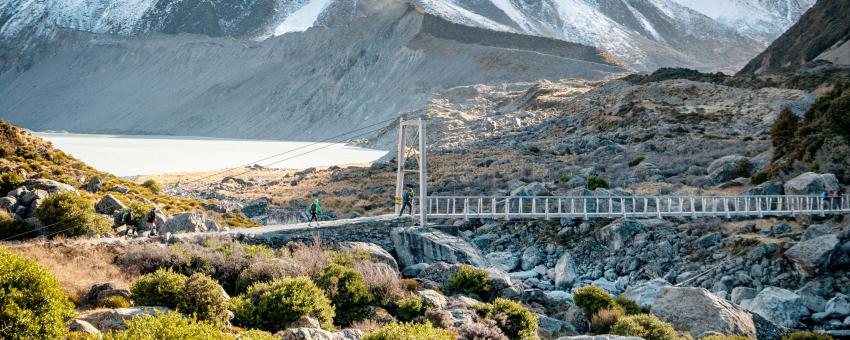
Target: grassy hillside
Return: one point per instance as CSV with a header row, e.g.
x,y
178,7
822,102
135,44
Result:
x,y
24,156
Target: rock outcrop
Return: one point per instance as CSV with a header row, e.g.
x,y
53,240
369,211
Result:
x,y
778,305
427,245
108,205
375,251
811,183
699,312
817,255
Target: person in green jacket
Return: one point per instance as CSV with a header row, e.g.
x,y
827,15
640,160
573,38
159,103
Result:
x,y
314,209
406,201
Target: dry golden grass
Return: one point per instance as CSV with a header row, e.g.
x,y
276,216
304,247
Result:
x,y
367,325
77,266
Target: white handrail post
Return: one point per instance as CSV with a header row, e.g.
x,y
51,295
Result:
x,y
520,206
610,206
726,207
533,205
623,206
466,209
507,208
658,207
693,207
758,206
546,208
584,207
559,206
493,211
646,206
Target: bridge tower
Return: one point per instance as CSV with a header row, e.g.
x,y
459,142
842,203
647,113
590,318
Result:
x,y
419,125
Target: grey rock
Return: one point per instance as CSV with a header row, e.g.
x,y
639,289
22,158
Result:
x,y
433,298
83,326
697,311
565,271
721,170
34,223
770,188
426,245
743,293
185,222
778,305
531,257
528,190
644,293
120,189
319,334
838,306
817,255
811,183
116,319
616,234
816,230
415,270
305,321
7,203
48,185
30,196
17,193
600,337
93,185
498,279
549,328
376,253
526,274
108,205
811,296
504,260
606,285
211,225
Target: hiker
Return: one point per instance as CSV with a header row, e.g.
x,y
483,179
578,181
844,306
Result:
x,y
836,197
406,199
314,209
151,218
824,196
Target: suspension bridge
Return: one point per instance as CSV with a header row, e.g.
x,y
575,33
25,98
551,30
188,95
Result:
x,y
425,207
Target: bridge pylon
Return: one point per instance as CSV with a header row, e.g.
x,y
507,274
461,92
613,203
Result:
x,y
401,159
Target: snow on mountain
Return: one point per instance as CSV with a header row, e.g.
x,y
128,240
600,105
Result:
x,y
709,35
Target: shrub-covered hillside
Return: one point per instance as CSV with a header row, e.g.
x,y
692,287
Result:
x,y
29,162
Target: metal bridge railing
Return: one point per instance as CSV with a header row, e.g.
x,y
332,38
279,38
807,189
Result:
x,y
587,207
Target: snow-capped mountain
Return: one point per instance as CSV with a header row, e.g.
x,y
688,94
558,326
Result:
x,y
708,35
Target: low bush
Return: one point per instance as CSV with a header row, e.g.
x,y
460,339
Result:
x,y
602,321
383,282
637,160
32,305
439,318
266,271
646,326
10,229
727,337
170,326
629,306
410,308
69,214
742,169
153,186
595,182
347,291
592,299
10,181
396,331
487,330
256,334
271,306
115,301
204,299
800,335
516,321
162,288
469,280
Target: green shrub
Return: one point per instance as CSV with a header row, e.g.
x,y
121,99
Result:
x,y
153,186
800,335
70,215
271,306
413,331
10,181
516,321
162,288
264,271
594,182
203,298
170,326
646,326
32,306
592,299
602,321
637,160
742,169
410,307
138,210
115,301
469,280
256,334
782,132
629,306
347,291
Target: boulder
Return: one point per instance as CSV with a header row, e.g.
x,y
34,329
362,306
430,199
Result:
x,y
838,307
771,188
811,183
531,189
108,205
816,230
740,294
427,245
498,279
376,253
698,311
415,270
185,222
549,328
306,321
212,226
616,234
812,257
644,293
34,223
438,272
30,196
318,334
83,326
565,271
94,185
115,319
433,298
8,203
600,337
531,257
48,185
723,169
811,295
778,305
120,189
503,260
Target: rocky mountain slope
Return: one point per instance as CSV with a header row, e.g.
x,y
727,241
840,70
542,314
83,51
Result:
x,y
645,33
821,34
367,64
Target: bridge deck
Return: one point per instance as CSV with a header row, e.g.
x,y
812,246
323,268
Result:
x,y
588,207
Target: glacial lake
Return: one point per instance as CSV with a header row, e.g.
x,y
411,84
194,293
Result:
x,y
149,155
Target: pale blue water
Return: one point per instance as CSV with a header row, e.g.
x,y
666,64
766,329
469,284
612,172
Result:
x,y
147,155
